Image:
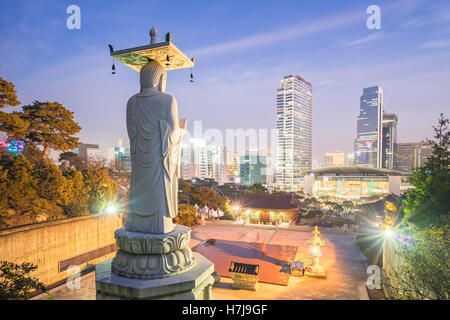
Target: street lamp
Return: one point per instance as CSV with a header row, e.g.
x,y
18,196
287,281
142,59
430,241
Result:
x,y
111,209
388,233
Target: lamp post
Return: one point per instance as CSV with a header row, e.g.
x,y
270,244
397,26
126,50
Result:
x,y
315,269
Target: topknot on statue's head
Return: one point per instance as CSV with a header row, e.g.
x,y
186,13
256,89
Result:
x,y
150,74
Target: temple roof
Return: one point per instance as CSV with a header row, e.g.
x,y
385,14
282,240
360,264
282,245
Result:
x,y
282,201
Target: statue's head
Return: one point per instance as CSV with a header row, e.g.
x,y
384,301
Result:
x,y
153,74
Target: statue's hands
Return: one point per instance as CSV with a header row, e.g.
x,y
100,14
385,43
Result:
x,y
183,124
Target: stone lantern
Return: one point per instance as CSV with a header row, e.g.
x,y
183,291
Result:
x,y
315,269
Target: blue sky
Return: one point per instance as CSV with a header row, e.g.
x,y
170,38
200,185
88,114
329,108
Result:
x,y
243,49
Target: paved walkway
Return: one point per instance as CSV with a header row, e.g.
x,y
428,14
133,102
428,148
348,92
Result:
x,y
340,256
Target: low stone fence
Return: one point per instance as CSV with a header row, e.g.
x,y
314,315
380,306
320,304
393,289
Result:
x,y
56,245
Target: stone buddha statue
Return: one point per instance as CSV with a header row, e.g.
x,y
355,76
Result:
x,y
155,135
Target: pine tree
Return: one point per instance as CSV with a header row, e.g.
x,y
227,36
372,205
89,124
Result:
x,y
440,158
11,123
51,125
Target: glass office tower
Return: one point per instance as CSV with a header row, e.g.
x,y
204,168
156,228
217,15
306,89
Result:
x,y
368,143
294,126
389,140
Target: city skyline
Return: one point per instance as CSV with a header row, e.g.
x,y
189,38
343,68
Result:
x,y
329,45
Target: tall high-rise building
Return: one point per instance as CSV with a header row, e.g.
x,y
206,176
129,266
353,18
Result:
x,y
389,140
334,159
232,165
194,161
252,169
294,126
412,155
217,164
368,143
122,155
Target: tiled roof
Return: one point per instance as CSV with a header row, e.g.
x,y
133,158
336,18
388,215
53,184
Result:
x,y
283,201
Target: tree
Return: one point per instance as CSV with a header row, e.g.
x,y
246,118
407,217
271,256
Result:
x,y
425,273
51,125
186,215
102,188
426,220
204,196
15,282
258,188
223,203
11,123
428,203
77,203
440,158
52,184
21,184
186,189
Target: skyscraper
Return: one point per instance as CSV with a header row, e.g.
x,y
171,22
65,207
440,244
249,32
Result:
x,y
194,161
368,143
217,164
294,126
389,140
252,169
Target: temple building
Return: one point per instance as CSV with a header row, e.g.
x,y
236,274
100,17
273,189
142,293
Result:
x,y
353,182
261,208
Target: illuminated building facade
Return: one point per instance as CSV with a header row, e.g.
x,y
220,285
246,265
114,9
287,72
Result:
x,y
194,159
294,129
252,169
368,143
389,140
334,159
267,208
232,165
352,182
217,164
122,154
413,155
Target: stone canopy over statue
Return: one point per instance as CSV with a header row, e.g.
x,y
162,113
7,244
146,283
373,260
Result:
x,y
155,134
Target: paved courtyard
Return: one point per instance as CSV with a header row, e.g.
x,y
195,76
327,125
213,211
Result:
x,y
340,256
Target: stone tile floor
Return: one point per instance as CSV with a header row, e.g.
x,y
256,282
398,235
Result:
x,y
340,256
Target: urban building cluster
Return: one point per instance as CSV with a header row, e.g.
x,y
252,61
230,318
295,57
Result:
x,y
291,168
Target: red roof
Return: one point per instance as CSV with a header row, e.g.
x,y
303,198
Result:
x,y
281,201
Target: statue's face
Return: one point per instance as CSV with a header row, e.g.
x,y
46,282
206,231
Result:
x,y
162,82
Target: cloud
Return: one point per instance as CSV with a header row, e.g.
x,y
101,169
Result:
x,y
436,44
369,38
303,29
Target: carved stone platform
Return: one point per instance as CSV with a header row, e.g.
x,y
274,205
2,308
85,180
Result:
x,y
149,256
186,286
154,266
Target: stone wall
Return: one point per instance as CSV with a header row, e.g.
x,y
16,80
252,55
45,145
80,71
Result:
x,y
55,245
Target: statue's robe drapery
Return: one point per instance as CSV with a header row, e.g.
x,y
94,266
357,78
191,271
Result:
x,y
155,137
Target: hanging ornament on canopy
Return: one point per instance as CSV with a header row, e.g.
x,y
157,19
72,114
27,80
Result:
x,y
192,70
113,68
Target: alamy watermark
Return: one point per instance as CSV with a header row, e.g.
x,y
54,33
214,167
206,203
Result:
x,y
374,20
74,20
374,280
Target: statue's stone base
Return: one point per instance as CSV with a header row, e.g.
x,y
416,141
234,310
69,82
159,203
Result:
x,y
185,286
